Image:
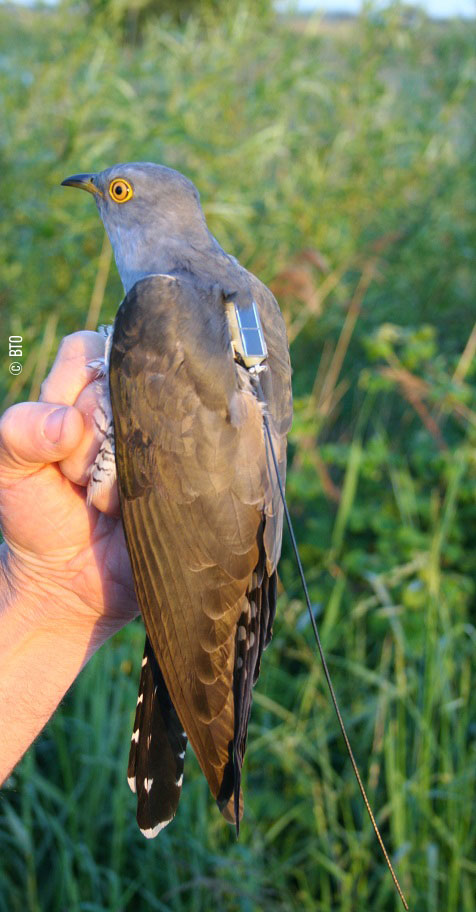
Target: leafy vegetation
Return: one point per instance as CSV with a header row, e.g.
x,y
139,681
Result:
x,y
338,164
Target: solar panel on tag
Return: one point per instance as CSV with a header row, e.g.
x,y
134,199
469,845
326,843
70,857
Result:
x,y
251,332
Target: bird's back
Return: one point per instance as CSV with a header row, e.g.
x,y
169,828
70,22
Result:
x,y
201,512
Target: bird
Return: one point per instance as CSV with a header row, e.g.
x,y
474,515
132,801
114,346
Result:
x,y
197,360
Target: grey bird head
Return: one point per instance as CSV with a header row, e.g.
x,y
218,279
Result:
x,y
149,212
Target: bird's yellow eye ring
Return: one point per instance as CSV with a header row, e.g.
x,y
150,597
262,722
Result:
x,y
120,190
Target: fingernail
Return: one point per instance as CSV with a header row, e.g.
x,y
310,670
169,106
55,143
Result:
x,y
53,424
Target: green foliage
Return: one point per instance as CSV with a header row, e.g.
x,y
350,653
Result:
x,y
128,17
338,164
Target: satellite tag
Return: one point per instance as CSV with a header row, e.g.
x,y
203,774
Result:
x,y
247,339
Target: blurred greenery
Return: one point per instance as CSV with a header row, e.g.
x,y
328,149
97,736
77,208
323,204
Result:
x,y
337,162
130,16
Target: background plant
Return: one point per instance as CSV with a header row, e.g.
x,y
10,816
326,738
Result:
x,y
338,164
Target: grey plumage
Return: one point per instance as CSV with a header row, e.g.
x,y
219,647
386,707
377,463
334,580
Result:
x,y
202,518
162,229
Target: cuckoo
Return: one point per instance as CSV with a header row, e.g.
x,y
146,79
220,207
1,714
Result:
x,y
196,358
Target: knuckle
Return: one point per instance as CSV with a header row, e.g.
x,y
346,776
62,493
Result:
x,y
12,431
8,426
44,389
71,344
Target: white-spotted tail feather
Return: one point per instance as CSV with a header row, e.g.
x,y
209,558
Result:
x,y
158,744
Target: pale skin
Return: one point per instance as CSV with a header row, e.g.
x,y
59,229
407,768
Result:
x,y
65,579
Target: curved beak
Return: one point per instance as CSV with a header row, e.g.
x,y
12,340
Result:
x,y
83,181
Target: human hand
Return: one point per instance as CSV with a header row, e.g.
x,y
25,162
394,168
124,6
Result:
x,y
68,558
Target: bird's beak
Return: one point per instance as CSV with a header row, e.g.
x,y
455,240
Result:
x,y
84,182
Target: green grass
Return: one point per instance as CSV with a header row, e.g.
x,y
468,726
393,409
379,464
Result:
x,y
338,165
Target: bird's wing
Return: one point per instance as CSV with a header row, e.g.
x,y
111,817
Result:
x,y
196,499
276,388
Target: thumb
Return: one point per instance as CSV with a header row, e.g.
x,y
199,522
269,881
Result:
x,y
35,433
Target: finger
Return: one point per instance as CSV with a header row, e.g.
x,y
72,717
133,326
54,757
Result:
x,y
106,499
77,466
70,373
33,434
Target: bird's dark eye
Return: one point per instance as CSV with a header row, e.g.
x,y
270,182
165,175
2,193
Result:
x,y
120,190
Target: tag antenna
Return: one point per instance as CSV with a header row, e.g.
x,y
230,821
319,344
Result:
x,y
324,664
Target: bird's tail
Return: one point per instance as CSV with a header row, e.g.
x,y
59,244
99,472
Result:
x,y
158,744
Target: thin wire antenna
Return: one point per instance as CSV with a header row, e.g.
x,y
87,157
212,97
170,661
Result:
x,y
326,670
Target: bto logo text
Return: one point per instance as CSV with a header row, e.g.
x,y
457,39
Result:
x,y
15,350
